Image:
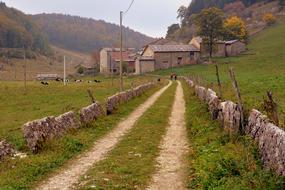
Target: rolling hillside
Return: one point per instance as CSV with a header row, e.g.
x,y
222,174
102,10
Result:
x,y
260,69
250,11
17,30
85,35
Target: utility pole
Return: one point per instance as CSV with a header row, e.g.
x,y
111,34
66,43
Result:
x,y
64,74
25,70
121,51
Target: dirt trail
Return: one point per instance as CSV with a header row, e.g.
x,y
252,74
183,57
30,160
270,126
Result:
x,y
77,168
174,147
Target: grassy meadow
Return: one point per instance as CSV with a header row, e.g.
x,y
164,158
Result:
x,y
259,69
25,173
19,106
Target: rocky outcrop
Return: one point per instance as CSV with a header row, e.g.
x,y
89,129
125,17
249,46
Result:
x,y
6,149
39,131
91,113
270,140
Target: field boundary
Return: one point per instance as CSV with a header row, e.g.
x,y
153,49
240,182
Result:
x,y
269,137
67,178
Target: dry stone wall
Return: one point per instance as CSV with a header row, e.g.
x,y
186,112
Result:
x,y
230,116
270,140
269,137
114,101
6,149
37,132
91,113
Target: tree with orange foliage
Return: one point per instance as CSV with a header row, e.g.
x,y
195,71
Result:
x,y
269,18
235,28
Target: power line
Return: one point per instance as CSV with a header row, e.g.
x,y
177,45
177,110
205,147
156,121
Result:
x,y
125,12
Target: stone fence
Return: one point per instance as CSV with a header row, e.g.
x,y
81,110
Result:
x,y
114,101
6,149
269,137
37,132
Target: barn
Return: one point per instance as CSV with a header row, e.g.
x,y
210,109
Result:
x,y
157,57
221,48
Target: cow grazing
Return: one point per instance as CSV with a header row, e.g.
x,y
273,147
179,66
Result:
x,y
44,83
97,81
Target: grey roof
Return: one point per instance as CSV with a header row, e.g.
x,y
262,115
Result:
x,y
146,58
231,41
173,48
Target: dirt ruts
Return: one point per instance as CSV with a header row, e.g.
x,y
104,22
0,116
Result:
x,y
174,147
66,178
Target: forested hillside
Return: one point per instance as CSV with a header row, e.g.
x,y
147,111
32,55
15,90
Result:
x,y
250,11
197,5
17,30
82,34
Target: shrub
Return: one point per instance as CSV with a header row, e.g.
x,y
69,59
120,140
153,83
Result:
x,y
269,19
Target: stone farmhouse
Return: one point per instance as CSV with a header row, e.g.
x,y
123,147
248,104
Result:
x,y
157,57
110,60
221,48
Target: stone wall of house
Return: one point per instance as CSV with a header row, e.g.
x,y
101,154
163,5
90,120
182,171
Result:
x,y
168,60
269,137
6,149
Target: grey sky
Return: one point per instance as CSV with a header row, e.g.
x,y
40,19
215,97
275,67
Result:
x,y
151,17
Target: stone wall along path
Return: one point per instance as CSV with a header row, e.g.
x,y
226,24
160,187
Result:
x,y
171,172
69,176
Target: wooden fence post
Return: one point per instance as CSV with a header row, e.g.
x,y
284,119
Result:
x,y
91,96
271,108
219,81
238,94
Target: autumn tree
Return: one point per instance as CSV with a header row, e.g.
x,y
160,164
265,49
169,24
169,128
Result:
x,y
172,29
269,18
235,28
210,27
182,13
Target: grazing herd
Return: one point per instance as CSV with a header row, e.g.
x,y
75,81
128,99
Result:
x,y
45,83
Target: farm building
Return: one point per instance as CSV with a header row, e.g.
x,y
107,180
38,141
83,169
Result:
x,y
110,60
156,57
47,76
221,48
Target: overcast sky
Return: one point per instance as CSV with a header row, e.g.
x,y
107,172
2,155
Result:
x,y
151,17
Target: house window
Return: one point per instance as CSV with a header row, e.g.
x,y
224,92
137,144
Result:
x,y
179,60
191,55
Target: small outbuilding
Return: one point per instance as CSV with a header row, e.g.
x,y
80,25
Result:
x,y
221,48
